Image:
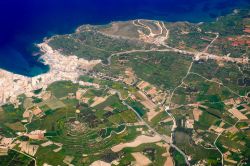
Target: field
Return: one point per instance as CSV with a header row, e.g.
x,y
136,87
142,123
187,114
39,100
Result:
x,y
151,151
15,158
184,141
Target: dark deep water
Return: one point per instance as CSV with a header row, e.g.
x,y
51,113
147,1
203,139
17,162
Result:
x,y
25,22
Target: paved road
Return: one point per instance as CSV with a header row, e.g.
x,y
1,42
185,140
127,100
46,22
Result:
x,y
193,54
164,138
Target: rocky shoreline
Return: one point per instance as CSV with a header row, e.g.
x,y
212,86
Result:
x,y
61,68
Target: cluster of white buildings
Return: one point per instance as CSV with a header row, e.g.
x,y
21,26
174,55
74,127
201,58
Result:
x,y
61,68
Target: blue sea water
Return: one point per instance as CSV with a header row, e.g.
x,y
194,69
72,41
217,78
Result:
x,y
26,22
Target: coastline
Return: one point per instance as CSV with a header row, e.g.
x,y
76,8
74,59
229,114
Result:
x,y
40,25
79,26
61,68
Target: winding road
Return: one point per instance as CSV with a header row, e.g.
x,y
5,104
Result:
x,y
164,138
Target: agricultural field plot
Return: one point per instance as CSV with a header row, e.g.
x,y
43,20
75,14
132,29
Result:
x,y
10,118
162,123
154,154
53,103
63,88
178,158
15,158
138,107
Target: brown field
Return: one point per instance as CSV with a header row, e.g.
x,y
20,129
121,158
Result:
x,y
98,100
28,103
197,113
237,114
142,139
130,76
141,160
100,163
149,105
169,161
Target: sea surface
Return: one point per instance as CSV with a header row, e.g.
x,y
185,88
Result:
x,y
23,23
